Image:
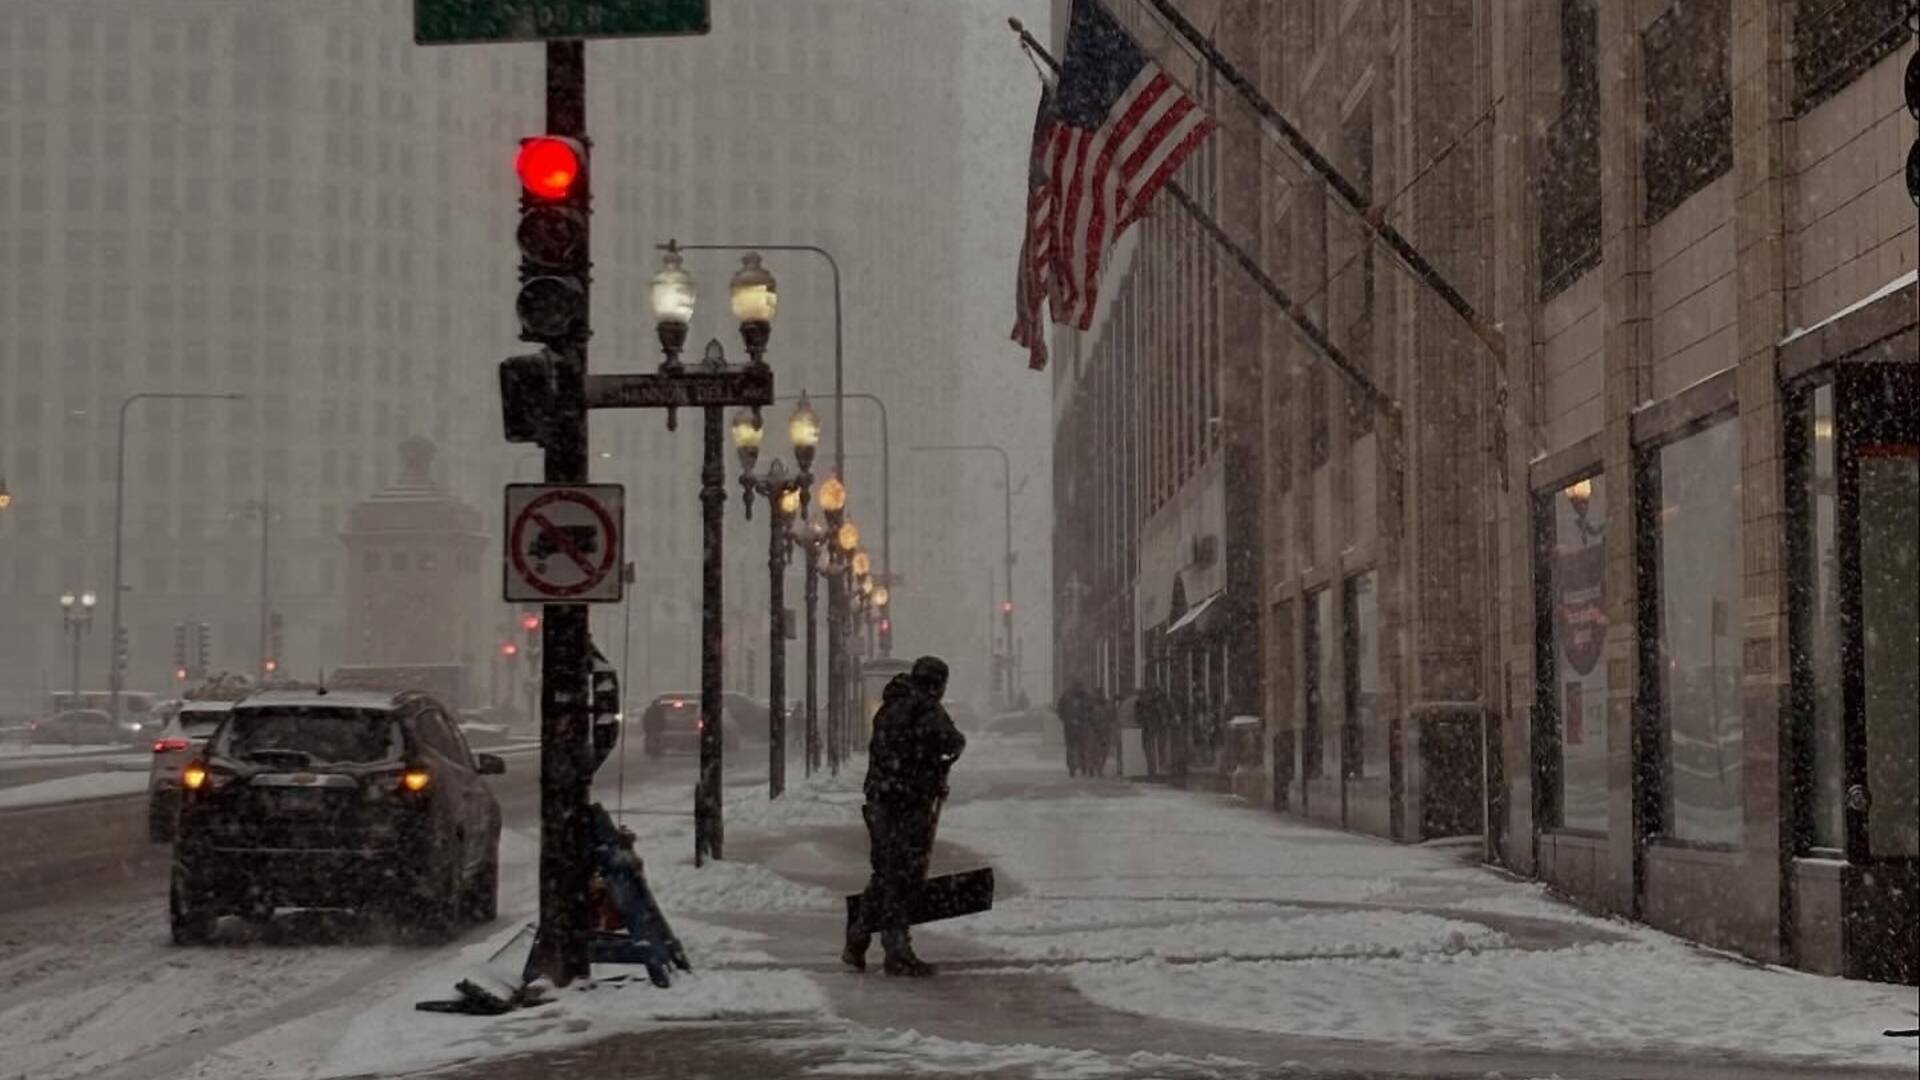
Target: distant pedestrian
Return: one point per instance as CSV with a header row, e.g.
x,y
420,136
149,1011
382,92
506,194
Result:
x,y
914,744
1151,712
1073,708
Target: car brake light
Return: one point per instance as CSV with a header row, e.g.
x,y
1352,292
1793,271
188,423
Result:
x,y
194,776
161,746
415,779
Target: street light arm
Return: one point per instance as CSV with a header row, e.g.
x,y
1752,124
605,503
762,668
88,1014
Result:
x,y
119,522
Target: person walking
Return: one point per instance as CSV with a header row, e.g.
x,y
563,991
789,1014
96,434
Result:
x,y
914,744
1151,713
1073,708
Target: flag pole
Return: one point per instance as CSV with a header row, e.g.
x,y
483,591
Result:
x,y
1312,332
1374,216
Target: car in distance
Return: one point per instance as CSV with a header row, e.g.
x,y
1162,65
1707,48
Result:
x,y
338,799
185,734
87,727
671,723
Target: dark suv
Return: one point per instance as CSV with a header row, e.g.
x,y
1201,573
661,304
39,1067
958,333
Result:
x,y
356,799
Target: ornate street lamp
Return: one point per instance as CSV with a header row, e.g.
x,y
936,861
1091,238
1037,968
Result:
x,y
787,494
754,298
76,612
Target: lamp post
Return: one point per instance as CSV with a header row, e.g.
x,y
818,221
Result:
x,y
1006,604
787,498
753,299
811,535
77,613
839,392
263,508
115,676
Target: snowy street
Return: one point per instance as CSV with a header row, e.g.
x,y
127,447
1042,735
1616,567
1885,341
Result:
x,y
1138,931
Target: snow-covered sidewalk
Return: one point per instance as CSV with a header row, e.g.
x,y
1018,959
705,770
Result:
x,y
1138,931
1144,931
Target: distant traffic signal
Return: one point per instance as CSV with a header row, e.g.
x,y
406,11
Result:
x,y
180,660
530,621
509,650
203,649
122,649
886,637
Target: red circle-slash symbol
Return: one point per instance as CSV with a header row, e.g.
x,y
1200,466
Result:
x,y
557,539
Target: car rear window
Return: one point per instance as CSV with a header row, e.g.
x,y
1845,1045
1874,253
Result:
x,y
201,722
324,735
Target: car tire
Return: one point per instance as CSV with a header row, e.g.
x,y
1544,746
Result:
x,y
482,897
436,909
192,921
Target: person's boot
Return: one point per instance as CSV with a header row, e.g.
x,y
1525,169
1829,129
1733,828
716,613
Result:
x,y
854,955
900,957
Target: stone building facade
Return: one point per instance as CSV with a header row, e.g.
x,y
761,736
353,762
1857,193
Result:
x,y
1630,590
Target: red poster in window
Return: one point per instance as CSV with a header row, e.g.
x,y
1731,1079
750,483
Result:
x,y
1579,613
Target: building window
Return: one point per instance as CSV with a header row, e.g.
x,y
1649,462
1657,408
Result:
x,y
1568,185
1320,739
1366,739
1689,106
1819,681
1836,41
1571,632
1690,641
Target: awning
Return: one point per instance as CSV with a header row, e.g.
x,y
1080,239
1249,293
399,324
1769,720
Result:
x,y
1187,622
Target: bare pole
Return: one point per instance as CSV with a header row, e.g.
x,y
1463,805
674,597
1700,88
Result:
x,y
115,677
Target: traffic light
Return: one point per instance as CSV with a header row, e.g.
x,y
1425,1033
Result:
x,y
886,636
509,650
1913,109
122,650
276,641
552,305
1006,607
180,662
203,649
530,622
528,395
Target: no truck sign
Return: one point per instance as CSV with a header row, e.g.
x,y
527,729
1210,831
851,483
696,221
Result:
x,y
563,543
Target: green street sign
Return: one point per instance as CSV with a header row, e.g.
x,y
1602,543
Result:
x,y
470,22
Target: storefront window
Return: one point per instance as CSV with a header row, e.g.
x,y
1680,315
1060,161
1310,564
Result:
x,y
1697,552
1890,635
1366,741
1827,742
1321,737
1576,569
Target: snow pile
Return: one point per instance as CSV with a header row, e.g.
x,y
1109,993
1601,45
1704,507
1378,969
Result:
x,y
392,1037
1029,914
891,1052
100,785
1639,997
731,887
1324,934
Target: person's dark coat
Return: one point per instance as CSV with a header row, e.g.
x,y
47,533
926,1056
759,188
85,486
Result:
x,y
914,744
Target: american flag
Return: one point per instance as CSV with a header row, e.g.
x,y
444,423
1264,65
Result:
x,y
1123,128
1035,281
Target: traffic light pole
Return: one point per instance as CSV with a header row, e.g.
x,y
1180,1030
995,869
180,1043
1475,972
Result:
x,y
565,763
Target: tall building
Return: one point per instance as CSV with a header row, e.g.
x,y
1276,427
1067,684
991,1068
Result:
x,y
295,203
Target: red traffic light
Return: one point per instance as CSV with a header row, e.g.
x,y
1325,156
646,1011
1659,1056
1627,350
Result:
x,y
1006,607
529,622
180,674
509,649
272,666
548,166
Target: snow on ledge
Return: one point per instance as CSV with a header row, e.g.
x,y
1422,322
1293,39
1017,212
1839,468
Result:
x,y
1881,293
